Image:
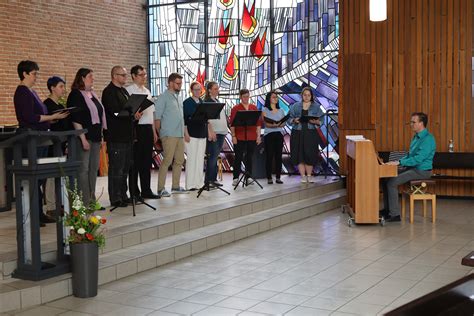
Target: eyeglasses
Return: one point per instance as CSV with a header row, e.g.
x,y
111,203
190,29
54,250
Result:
x,y
196,89
123,75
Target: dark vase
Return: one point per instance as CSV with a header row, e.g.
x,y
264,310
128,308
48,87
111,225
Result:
x,y
85,269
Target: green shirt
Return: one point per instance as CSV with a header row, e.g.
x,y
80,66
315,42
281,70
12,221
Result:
x,y
422,150
169,109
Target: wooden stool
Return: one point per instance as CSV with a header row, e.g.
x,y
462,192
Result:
x,y
418,191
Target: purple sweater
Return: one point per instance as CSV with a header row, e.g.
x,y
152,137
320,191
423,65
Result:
x,y
29,108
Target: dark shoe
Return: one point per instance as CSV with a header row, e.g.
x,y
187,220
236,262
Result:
x,y
150,195
270,181
120,204
127,200
384,212
279,181
193,189
46,219
393,219
216,184
138,199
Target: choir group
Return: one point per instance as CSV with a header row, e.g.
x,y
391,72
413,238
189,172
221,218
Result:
x,y
169,121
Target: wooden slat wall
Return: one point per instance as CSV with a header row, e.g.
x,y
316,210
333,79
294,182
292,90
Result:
x,y
420,59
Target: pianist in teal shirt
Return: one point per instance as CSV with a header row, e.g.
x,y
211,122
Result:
x,y
418,163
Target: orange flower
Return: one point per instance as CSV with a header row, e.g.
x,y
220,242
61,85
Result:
x,y
103,221
75,213
89,236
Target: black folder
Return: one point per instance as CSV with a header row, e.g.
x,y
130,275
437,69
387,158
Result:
x,y
135,103
306,118
284,119
72,109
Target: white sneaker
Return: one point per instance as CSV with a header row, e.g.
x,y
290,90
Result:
x,y
304,179
309,179
235,182
163,193
179,190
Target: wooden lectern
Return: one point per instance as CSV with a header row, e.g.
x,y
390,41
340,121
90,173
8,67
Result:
x,y
363,180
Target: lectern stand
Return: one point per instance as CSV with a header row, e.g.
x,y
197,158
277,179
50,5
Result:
x,y
28,172
245,119
204,112
6,179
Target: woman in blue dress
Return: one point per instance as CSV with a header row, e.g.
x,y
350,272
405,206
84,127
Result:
x,y
304,142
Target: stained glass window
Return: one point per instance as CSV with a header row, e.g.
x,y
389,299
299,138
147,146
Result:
x,y
261,45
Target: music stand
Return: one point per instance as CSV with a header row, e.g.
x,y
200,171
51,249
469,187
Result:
x,y
204,112
328,170
135,103
245,119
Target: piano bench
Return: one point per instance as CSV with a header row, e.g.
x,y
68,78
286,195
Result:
x,y
418,190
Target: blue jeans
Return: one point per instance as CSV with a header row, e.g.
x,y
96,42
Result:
x,y
213,150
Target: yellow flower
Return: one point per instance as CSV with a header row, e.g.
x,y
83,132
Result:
x,y
94,220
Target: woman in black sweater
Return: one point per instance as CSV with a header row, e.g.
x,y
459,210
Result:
x,y
89,115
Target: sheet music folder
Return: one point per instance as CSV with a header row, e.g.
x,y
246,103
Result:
x,y
307,118
284,119
71,109
246,118
207,111
135,103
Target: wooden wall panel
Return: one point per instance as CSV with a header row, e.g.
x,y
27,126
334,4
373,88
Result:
x,y
420,59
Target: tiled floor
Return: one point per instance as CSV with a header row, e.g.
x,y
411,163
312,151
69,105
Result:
x,y
318,266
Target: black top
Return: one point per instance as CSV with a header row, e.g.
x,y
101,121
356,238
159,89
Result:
x,y
83,116
195,129
119,129
304,113
61,125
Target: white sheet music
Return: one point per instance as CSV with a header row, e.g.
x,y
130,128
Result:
x,y
355,137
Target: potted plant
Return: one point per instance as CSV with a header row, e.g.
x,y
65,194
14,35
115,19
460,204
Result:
x,y
86,236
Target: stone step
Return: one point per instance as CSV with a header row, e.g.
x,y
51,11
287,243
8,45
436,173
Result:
x,y
168,225
121,263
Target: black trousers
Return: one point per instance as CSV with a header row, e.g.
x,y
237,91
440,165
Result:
x,y
142,152
243,151
273,143
119,168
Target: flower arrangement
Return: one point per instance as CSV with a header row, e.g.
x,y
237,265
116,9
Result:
x,y
84,226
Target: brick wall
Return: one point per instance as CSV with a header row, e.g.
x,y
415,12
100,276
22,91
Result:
x,y
63,36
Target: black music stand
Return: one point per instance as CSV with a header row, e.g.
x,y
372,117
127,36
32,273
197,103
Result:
x,y
135,103
327,170
204,112
245,119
